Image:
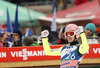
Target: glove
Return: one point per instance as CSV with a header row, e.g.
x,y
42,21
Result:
x,y
44,33
80,29
39,39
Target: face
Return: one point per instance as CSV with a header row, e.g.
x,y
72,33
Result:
x,y
70,39
88,32
70,36
16,36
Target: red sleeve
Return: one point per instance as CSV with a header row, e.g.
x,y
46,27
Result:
x,y
1,44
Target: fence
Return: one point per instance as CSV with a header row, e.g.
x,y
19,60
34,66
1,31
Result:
x,y
35,56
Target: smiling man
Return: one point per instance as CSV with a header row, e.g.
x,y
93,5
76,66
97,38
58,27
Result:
x,y
72,53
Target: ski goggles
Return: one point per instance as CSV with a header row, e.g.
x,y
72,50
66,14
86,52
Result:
x,y
69,33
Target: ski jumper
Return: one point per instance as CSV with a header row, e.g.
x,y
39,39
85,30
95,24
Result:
x,y
70,55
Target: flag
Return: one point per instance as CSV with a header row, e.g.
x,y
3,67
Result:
x,y
9,26
53,24
29,32
61,29
16,19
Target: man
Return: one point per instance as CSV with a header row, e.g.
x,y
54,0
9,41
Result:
x,y
4,40
62,39
17,38
28,41
72,53
90,30
53,35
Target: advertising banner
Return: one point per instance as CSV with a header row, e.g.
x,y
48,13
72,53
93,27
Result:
x,y
4,55
30,54
36,53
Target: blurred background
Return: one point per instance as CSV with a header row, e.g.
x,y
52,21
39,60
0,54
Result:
x,y
33,14
27,9
31,11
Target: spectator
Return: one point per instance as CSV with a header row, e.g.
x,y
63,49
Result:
x,y
98,34
26,33
17,38
1,35
62,39
53,35
4,40
28,40
44,27
34,38
90,30
99,37
35,43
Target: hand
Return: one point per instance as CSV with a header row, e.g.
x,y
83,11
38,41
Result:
x,y
15,38
80,29
6,36
44,33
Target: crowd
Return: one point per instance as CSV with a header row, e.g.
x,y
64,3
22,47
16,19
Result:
x,y
54,37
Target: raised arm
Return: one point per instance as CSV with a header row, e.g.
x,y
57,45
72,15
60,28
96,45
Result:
x,y
46,46
84,47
